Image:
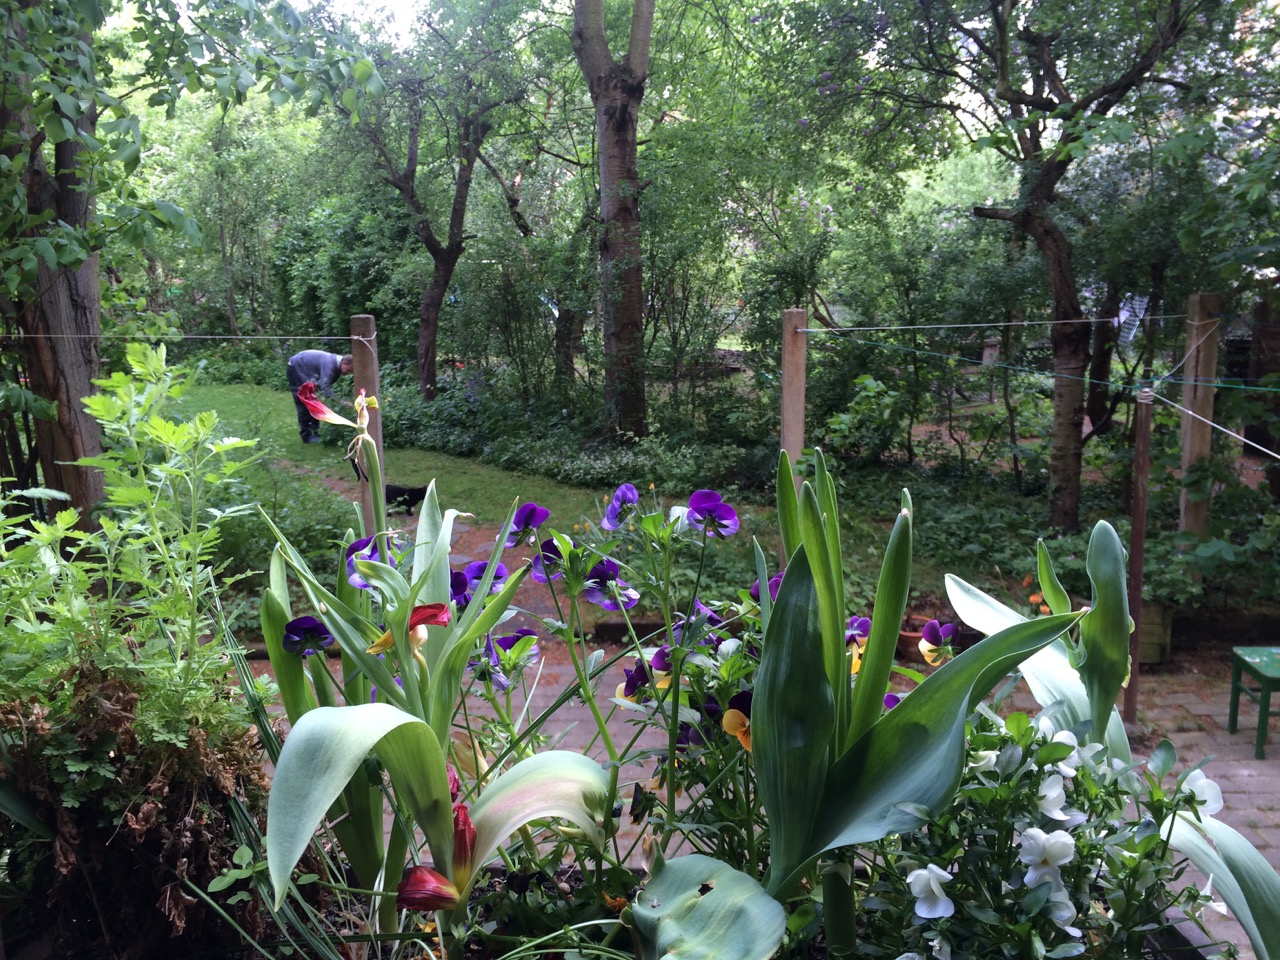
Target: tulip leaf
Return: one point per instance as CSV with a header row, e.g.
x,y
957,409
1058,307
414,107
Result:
x,y
323,752
788,507
829,594
914,754
18,807
430,574
792,717
556,783
1054,593
1248,884
697,908
295,692
892,591
980,610
1104,631
1053,681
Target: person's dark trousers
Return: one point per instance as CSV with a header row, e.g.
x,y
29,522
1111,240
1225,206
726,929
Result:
x,y
308,426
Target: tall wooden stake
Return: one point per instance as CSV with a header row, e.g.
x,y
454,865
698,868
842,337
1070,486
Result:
x,y
794,348
364,355
1138,541
1199,371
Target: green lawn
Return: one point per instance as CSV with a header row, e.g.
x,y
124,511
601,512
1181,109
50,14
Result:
x,y
466,485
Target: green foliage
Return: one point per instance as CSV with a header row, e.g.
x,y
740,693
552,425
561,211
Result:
x,y
121,719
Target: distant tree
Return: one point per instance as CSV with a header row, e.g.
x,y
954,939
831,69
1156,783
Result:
x,y
1042,82
617,88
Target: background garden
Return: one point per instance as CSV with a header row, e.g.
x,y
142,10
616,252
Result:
x,y
577,226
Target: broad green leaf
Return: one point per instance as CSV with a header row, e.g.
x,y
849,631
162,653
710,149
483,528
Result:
x,y
697,908
1105,629
762,578
557,783
788,508
980,610
1054,594
914,755
892,590
792,717
1248,884
323,752
1053,681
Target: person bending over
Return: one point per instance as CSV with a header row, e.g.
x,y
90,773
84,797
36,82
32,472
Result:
x,y
323,369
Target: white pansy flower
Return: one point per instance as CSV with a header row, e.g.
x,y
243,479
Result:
x,y
1052,798
926,887
1044,853
941,949
1208,793
1062,911
676,519
1206,900
984,760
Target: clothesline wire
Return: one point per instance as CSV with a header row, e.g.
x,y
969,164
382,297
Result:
x,y
1015,368
183,336
1216,426
970,326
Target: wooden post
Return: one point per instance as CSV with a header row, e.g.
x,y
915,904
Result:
x,y
794,345
364,356
1199,371
1138,541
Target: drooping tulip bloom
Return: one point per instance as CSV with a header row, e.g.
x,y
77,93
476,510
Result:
x,y
426,890
423,616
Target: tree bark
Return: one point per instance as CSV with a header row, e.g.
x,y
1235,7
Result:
x,y
617,89
60,318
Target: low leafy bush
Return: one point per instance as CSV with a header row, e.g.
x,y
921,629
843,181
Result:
x,y
243,361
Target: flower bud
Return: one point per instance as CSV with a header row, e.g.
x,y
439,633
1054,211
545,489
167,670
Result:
x,y
424,889
464,843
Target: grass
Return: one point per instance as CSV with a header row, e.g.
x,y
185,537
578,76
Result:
x,y
486,492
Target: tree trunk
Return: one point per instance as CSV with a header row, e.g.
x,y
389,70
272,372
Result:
x,y
1070,339
617,89
1098,404
429,324
61,323
61,331
568,344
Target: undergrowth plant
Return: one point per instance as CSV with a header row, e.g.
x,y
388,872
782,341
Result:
x,y
125,739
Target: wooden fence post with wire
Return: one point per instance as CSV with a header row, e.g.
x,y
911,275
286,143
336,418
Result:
x,y
364,357
1200,370
794,349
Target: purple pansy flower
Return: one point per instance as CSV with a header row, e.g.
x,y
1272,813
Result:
x,y
306,635
529,516
603,587
709,513
475,571
489,666
509,641
938,634
620,507
661,659
548,558
365,549
713,620
774,583
891,700
858,630
633,680
458,589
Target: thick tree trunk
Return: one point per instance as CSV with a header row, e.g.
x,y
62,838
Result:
x,y
61,333
1070,340
61,325
429,323
617,89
